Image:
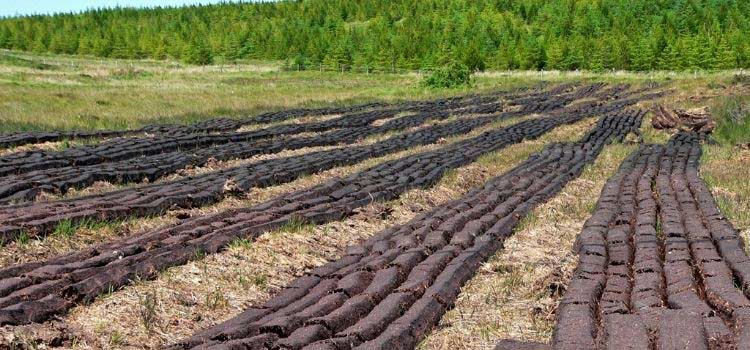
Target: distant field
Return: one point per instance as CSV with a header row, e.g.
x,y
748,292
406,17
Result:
x,y
46,92
55,92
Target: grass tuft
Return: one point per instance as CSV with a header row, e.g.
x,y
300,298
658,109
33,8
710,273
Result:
x,y
295,225
199,254
149,316
65,228
23,238
733,119
216,300
68,228
241,243
116,338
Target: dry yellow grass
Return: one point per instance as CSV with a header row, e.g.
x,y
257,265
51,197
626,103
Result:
x,y
30,148
726,170
293,121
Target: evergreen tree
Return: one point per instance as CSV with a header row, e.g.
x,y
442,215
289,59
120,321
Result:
x,y
691,54
555,56
533,56
5,37
575,55
641,56
596,63
473,59
500,34
706,57
669,59
38,45
120,49
725,57
384,60
232,48
197,53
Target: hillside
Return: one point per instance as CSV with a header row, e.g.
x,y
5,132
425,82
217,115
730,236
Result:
x,y
493,34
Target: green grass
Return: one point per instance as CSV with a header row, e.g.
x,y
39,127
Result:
x,y
85,93
241,243
733,120
67,228
11,60
295,226
23,238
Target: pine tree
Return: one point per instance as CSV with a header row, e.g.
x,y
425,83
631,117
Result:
x,y
120,48
363,61
102,47
338,58
555,56
384,60
725,57
232,48
532,56
473,59
39,45
596,63
641,56
5,36
669,59
706,57
501,34
85,46
690,53
446,55
575,54
197,53
160,50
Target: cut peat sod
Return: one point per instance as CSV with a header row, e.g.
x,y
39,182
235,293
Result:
x,y
389,291
35,291
41,218
660,267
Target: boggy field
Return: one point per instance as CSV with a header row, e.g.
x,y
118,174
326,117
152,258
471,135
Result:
x,y
517,216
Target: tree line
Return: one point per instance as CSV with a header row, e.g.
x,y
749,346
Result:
x,y
409,34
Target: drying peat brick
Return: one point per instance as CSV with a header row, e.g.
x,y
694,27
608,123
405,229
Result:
x,y
413,272
517,345
40,218
673,273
